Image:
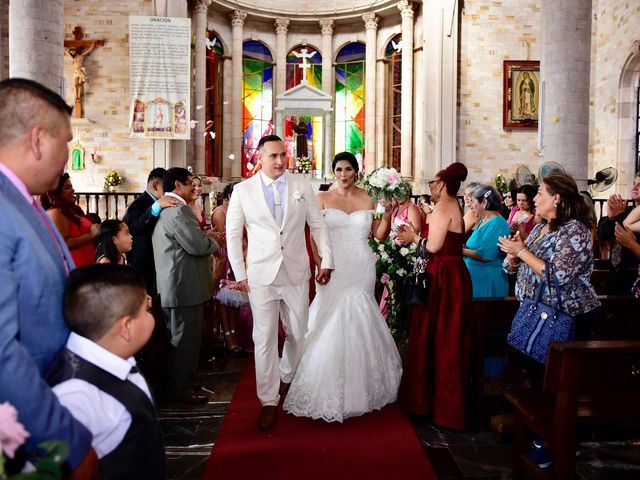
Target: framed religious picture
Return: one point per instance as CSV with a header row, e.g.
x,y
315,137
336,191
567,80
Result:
x,y
521,94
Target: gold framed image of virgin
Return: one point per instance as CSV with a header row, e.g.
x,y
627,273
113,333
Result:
x,y
521,94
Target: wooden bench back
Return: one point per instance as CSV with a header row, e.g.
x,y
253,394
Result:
x,y
606,368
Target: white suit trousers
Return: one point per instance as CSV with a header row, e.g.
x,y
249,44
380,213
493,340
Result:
x,y
290,303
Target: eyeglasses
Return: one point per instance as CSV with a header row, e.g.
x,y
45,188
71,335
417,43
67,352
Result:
x,y
432,181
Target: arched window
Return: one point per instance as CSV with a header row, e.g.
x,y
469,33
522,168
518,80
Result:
x,y
257,100
213,106
350,99
393,54
294,72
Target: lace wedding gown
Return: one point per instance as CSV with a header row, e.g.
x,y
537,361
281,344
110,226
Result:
x,y
350,364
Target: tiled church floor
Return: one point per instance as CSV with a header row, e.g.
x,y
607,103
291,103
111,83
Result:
x,y
190,433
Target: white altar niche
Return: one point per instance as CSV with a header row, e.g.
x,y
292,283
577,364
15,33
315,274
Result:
x,y
315,106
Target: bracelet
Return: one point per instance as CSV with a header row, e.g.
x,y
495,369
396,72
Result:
x,y
520,253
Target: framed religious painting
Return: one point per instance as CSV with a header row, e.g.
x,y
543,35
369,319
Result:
x,y
521,94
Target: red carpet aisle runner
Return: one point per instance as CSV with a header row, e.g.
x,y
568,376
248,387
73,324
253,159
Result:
x,y
380,445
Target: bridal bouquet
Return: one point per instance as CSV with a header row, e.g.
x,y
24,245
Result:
x,y
386,183
394,262
51,455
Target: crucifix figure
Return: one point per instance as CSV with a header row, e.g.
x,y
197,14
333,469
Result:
x,y
304,66
78,49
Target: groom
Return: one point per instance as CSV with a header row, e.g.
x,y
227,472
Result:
x,y
274,206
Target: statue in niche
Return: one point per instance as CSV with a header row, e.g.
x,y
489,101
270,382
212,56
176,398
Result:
x,y
301,130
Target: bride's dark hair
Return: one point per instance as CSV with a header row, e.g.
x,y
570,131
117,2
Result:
x,y
346,156
453,176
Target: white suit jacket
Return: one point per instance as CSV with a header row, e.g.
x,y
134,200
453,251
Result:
x,y
269,244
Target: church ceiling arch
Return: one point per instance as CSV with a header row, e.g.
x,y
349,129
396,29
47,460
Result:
x,y
311,11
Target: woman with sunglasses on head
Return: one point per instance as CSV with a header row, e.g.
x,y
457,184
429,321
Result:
x,y
435,375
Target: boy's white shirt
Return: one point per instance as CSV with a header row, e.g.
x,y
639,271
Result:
x,y
104,416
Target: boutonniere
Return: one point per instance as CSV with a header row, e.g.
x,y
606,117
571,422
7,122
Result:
x,y
298,196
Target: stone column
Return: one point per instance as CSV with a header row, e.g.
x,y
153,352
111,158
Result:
x,y
237,22
406,124
565,68
200,32
371,27
437,77
36,37
326,27
282,26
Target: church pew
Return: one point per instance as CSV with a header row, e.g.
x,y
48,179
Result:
x,y
491,322
595,383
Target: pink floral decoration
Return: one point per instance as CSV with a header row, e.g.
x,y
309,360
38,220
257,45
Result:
x,y
12,433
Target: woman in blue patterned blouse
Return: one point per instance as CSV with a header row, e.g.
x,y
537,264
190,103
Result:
x,y
562,242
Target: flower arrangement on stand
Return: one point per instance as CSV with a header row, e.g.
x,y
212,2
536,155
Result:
x,y
394,262
51,455
303,165
112,180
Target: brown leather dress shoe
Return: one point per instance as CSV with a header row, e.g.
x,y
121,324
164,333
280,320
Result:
x,y
267,417
187,399
284,388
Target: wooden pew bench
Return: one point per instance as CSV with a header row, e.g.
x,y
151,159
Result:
x,y
595,382
491,322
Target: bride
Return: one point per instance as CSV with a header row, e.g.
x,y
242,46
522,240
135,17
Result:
x,y
350,364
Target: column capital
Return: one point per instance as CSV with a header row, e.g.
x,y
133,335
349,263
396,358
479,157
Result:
x,y
201,6
370,21
238,17
282,25
406,8
326,26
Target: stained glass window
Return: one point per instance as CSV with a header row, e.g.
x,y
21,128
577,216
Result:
x,y
213,106
393,54
350,99
257,99
294,72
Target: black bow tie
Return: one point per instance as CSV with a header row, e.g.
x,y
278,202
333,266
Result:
x,y
133,370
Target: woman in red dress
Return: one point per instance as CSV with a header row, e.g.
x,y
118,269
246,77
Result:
x,y
435,375
76,229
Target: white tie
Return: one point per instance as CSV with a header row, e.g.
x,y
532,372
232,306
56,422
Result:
x,y
277,204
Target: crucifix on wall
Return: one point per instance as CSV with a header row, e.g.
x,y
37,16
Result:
x,y
78,49
304,55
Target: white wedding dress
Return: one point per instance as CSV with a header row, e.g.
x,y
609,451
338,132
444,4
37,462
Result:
x,y
350,364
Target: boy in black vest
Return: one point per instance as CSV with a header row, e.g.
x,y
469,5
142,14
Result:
x,y
108,311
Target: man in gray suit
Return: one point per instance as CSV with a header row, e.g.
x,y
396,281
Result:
x,y
184,279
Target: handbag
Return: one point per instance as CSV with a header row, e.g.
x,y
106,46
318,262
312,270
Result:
x,y
414,285
537,325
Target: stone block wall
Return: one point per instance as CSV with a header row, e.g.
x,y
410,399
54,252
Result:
x,y
616,30
105,126
4,38
491,32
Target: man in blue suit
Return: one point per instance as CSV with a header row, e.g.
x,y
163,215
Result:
x,y
34,265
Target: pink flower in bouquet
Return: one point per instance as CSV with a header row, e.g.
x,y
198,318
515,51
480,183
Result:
x,y
12,433
385,278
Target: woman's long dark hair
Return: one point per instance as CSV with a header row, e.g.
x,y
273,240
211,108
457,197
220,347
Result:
x,y
52,199
571,205
106,247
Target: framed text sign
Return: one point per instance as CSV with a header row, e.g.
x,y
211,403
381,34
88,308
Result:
x,y
521,94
